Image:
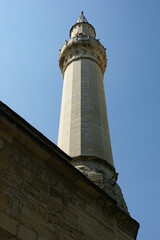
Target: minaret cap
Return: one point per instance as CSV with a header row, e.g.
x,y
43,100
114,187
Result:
x,y
82,27
81,18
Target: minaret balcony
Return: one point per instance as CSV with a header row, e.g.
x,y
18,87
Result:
x,y
83,46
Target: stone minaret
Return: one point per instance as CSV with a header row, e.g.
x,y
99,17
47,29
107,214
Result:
x,y
83,132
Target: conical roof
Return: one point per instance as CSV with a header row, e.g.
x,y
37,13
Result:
x,y
81,18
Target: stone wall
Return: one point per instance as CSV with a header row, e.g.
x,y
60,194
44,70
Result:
x,y
42,200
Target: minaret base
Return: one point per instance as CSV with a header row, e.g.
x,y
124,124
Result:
x,y
103,175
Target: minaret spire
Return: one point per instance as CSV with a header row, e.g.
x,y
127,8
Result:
x,y
81,18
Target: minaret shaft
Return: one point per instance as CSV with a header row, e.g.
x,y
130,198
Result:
x,y
83,122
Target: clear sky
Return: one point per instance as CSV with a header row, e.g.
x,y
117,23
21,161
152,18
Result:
x,y
31,34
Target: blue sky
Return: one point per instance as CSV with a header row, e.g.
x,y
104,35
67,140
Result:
x,y
31,33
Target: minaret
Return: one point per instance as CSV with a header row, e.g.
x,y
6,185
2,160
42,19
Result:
x,y
83,123
83,131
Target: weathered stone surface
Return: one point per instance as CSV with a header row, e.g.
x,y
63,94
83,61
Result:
x,y
17,167
7,223
39,209
12,149
31,190
94,176
28,163
1,143
3,186
11,178
26,211
57,220
38,183
38,225
17,193
52,204
44,237
26,233
4,201
4,160
14,209
45,175
6,135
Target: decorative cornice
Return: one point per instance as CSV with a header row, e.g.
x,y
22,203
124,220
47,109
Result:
x,y
83,47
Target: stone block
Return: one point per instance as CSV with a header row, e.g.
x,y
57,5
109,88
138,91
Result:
x,y
44,237
74,232
53,191
71,218
8,224
28,213
63,235
37,208
86,225
11,178
40,184
26,233
12,150
17,167
30,189
16,192
52,204
30,164
14,209
46,176
57,220
38,225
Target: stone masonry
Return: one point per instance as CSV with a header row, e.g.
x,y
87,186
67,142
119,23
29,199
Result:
x,y
43,197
